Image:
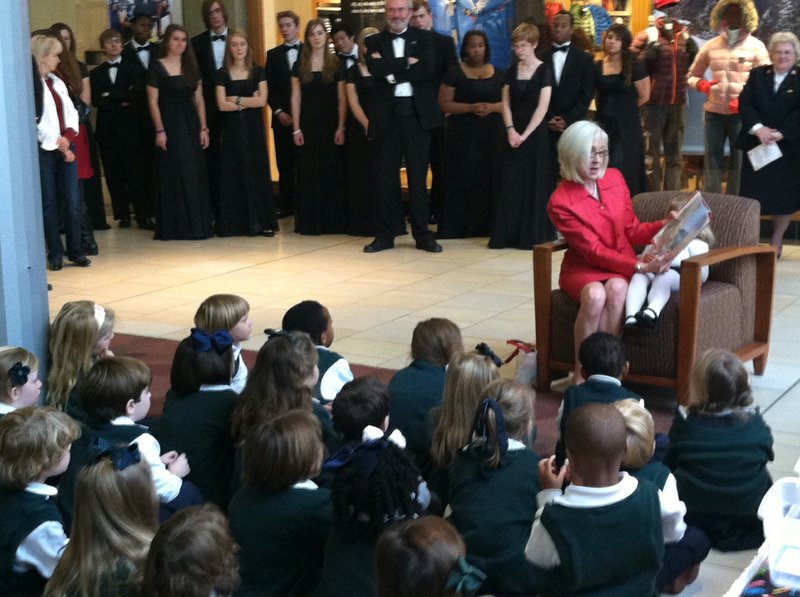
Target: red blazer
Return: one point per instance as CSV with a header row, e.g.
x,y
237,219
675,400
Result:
x,y
601,234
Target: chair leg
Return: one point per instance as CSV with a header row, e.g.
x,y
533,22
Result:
x,y
760,364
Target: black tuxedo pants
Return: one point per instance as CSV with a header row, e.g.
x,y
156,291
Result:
x,y
285,160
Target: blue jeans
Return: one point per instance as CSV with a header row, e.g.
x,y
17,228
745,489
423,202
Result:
x,y
61,205
718,128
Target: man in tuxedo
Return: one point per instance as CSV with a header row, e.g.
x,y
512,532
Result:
x,y
280,61
444,56
116,85
140,53
406,111
209,49
344,40
573,77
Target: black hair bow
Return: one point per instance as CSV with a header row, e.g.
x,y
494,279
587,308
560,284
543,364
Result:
x,y
18,374
484,350
480,427
121,456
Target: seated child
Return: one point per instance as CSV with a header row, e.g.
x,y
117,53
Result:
x,y
424,556
192,553
467,375
80,334
603,365
229,313
719,449
573,530
315,320
198,410
375,486
689,546
497,468
664,284
34,446
19,372
115,395
418,388
360,403
280,518
116,516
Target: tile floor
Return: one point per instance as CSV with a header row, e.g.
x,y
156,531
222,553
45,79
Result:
x,y
376,300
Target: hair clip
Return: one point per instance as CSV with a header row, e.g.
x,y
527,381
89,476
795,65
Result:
x,y
121,456
99,315
480,426
483,349
18,374
465,579
203,341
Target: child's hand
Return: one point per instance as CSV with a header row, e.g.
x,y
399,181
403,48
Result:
x,y
549,475
169,457
180,466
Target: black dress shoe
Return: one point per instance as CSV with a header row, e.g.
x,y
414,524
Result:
x,y
81,262
54,266
268,233
90,248
147,224
125,223
101,226
378,245
429,245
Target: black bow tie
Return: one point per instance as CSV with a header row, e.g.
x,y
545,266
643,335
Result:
x,y
143,48
292,47
221,37
564,48
113,65
344,56
399,35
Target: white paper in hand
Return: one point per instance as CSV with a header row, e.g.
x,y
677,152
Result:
x,y
764,154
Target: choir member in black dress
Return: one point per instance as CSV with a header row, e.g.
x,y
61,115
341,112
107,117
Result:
x,y
526,178
769,106
318,109
622,86
245,202
175,97
471,94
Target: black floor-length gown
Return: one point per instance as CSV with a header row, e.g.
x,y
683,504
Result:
x,y
184,210
471,165
320,206
246,207
618,114
526,176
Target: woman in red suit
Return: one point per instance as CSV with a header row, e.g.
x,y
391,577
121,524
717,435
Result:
x,y
592,209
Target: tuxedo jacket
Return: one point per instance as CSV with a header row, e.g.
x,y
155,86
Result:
x,y
444,55
279,79
130,55
419,44
758,103
203,52
109,97
572,95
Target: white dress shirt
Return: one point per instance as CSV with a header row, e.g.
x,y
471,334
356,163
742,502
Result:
x,y
218,47
143,56
400,89
558,62
48,129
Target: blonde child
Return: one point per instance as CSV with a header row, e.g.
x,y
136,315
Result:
x,y
19,372
192,555
280,518
418,388
688,546
424,557
198,409
719,449
498,467
116,516
467,375
230,313
115,396
662,285
34,446
315,320
80,334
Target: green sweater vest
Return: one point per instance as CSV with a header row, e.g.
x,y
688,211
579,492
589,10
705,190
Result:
x,y
609,551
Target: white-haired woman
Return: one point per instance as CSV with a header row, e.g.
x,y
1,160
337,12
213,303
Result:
x,y
769,106
592,209
57,128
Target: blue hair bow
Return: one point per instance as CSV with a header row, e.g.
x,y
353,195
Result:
x,y
203,341
18,374
365,457
465,579
480,427
484,350
121,456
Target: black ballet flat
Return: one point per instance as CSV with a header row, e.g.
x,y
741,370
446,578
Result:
x,y
647,318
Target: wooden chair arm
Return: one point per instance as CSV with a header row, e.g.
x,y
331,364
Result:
x,y
543,303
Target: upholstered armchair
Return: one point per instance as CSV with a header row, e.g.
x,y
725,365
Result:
x,y
732,310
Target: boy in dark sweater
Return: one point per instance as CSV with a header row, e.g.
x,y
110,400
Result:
x,y
603,365
572,529
34,446
315,320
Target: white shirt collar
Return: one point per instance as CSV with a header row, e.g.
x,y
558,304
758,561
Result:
x,y
215,387
6,408
307,484
136,44
126,420
37,488
116,60
605,379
